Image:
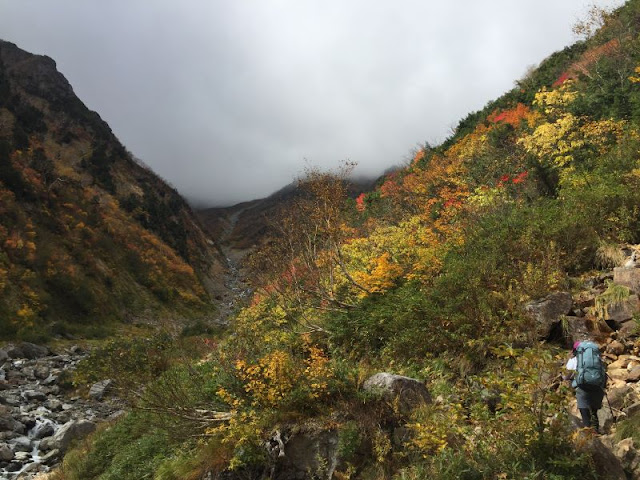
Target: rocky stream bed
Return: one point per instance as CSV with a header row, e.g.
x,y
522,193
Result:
x,y
38,419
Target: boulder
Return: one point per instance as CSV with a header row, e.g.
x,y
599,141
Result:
x,y
99,389
309,454
625,450
628,329
41,372
548,311
10,424
605,418
615,347
51,457
618,396
618,374
3,356
629,277
6,454
22,444
623,312
632,409
34,395
409,392
70,431
606,465
621,362
22,456
27,350
577,329
634,375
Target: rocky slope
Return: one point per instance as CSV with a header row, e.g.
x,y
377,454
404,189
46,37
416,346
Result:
x,y
38,417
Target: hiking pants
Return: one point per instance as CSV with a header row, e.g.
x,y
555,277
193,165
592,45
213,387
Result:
x,y
590,418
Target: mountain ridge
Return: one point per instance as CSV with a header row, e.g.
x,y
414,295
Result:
x,y
70,187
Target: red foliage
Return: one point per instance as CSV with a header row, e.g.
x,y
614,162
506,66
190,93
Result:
x,y
520,177
390,187
512,117
561,79
360,205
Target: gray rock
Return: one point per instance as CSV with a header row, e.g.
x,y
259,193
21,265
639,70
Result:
x,y
629,277
618,396
10,424
606,464
50,458
43,430
50,380
623,312
408,391
632,409
6,454
22,456
21,444
41,372
34,395
605,418
11,400
309,454
27,350
99,389
576,329
548,311
53,404
3,356
70,431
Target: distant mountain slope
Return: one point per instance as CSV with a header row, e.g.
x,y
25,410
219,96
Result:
x,y
251,227
87,234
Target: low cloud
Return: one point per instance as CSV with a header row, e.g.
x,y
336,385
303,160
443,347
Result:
x,y
226,99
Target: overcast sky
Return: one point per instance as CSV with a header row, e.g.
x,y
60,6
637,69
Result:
x,y
226,99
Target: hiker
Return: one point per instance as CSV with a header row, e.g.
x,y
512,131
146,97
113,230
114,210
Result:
x,y
589,380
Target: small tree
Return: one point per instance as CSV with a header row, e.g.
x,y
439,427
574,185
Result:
x,y
305,260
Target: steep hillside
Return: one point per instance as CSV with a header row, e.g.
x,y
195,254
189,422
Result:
x,y
87,234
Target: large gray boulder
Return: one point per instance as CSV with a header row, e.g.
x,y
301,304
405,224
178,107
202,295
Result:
x,y
408,392
548,311
309,454
6,454
70,431
624,311
629,277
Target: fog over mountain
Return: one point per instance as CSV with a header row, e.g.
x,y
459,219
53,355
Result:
x,y
226,99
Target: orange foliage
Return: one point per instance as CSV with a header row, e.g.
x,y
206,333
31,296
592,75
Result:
x,y
512,117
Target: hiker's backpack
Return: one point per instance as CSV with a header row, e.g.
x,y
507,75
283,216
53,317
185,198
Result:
x,y
591,373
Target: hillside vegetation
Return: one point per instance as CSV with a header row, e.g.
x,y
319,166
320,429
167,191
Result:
x,y
425,276
88,236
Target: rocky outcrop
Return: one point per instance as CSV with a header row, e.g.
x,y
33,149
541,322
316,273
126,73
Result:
x,y
408,392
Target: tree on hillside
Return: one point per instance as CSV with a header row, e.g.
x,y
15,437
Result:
x,y
305,260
